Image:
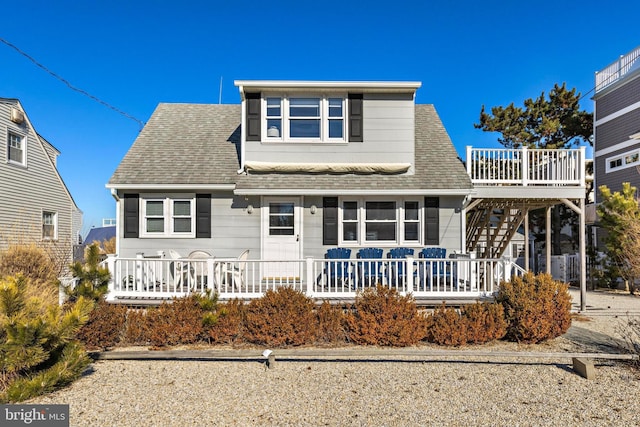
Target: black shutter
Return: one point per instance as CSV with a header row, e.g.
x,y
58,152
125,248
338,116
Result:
x,y
131,216
253,116
203,216
431,221
329,220
355,117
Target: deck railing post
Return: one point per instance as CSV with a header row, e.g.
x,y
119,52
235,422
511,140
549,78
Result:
x,y
309,275
211,282
408,268
525,167
582,166
469,160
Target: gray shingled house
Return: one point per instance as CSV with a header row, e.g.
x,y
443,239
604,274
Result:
x,y
300,168
37,206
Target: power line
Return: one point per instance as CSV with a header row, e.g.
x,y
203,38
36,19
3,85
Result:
x,y
72,87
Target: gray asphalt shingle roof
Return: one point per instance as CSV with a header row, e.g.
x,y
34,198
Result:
x,y
199,144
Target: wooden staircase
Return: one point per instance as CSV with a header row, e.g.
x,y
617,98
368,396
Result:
x,y
490,228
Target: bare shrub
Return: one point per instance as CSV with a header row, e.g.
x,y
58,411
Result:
x,y
383,317
283,317
331,328
446,326
537,308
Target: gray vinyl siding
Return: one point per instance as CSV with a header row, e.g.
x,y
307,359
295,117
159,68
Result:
x,y
233,230
620,97
613,180
617,130
28,191
389,133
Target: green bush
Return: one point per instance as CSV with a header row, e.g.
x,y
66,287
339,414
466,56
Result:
x,y
383,317
92,280
536,307
39,353
283,317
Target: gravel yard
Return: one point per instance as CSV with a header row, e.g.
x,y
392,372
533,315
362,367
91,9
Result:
x,y
378,391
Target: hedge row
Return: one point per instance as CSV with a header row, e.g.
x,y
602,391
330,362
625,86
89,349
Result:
x,y
530,309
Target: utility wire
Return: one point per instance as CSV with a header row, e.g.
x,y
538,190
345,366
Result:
x,y
72,87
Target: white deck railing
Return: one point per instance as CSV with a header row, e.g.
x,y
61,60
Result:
x,y
524,166
616,70
161,278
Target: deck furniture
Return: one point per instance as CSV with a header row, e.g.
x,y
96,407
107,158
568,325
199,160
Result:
x,y
232,272
430,272
397,273
337,268
370,271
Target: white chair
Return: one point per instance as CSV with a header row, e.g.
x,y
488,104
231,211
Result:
x,y
198,270
179,269
232,272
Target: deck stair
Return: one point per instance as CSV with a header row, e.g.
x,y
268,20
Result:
x,y
490,228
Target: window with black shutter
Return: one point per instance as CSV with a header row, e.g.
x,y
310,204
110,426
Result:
x,y
355,117
329,220
203,215
431,221
253,116
131,216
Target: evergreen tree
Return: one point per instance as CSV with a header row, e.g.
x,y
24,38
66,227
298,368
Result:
x,y
92,280
620,217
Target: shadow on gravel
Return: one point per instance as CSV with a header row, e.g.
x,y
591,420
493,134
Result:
x,y
593,342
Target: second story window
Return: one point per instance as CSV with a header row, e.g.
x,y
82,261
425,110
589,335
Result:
x,y
304,119
15,148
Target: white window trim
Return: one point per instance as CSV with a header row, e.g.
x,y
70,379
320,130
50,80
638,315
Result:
x,y
168,215
55,225
622,157
285,118
400,222
22,135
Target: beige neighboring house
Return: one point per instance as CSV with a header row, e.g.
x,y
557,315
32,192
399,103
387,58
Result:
x,y
36,206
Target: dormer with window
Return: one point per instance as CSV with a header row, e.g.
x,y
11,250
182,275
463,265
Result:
x,y
327,126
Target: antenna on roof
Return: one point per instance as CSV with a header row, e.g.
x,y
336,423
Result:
x,y
220,94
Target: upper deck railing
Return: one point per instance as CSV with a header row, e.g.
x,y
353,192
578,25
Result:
x,y
616,70
526,166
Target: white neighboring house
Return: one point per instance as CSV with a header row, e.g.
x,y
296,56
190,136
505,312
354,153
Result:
x,y
37,206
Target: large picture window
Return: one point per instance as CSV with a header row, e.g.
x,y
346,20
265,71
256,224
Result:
x,y
167,217
304,118
378,222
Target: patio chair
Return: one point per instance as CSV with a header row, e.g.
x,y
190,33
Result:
x,y
179,269
336,270
370,272
397,274
198,270
439,271
232,273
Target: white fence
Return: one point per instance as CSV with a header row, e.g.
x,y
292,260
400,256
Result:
x,y
163,278
526,166
616,70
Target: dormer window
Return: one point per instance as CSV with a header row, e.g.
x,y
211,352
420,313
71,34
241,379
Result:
x,y
304,118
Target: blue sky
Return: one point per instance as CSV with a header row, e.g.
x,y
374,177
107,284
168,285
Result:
x,y
136,54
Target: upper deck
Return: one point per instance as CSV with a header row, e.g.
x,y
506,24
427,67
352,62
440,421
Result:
x,y
527,173
616,70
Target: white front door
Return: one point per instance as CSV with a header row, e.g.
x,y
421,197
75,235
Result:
x,y
281,223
